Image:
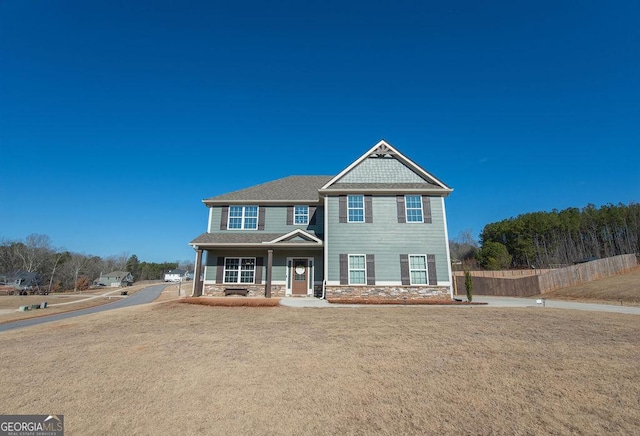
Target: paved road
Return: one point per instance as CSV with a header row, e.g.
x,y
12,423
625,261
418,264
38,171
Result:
x,y
146,295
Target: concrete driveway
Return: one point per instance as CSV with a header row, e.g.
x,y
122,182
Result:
x,y
491,302
556,304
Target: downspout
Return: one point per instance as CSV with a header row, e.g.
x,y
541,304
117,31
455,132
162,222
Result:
x,y
325,272
446,243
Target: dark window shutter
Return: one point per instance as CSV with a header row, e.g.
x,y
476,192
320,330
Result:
x,y
289,215
224,218
312,215
368,209
404,269
426,209
220,270
371,270
344,269
342,209
431,269
261,214
259,265
402,216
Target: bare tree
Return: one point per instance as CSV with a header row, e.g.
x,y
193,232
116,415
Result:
x,y
75,266
34,252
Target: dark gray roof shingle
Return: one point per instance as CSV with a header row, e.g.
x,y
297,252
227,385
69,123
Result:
x,y
238,238
292,188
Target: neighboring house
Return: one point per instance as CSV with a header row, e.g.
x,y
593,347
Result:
x,y
175,275
115,279
376,229
21,280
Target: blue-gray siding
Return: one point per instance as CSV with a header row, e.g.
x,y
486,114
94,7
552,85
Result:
x,y
386,239
381,170
275,221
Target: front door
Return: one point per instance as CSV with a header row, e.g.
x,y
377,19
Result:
x,y
300,274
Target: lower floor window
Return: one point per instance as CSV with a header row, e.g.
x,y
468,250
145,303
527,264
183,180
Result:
x,y
357,269
239,269
418,269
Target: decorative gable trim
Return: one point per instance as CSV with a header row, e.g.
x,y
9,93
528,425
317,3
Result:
x,y
384,149
297,232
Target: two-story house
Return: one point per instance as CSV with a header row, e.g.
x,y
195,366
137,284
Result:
x,y
376,229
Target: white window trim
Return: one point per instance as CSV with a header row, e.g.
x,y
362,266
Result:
x,y
294,215
242,218
406,210
426,270
363,208
349,269
239,281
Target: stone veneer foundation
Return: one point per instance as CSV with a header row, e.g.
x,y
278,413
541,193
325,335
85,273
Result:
x,y
389,292
217,290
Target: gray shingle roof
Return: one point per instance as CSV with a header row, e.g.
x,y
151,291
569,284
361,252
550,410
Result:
x,y
238,238
290,189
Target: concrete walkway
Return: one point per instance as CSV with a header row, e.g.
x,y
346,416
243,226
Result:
x,y
491,302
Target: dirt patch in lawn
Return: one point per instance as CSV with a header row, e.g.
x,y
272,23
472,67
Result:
x,y
619,289
232,301
396,370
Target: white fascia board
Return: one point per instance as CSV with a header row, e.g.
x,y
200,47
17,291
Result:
x,y
401,157
295,232
424,191
307,201
354,164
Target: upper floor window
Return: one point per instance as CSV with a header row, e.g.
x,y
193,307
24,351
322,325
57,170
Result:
x,y
243,217
301,215
413,208
355,208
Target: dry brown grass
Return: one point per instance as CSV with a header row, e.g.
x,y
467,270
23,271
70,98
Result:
x,y
188,369
623,288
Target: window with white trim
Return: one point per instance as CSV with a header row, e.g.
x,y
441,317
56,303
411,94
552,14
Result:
x,y
418,269
413,208
301,215
239,269
355,208
243,217
357,269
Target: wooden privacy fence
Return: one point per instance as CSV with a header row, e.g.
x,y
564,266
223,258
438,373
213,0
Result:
x,y
512,285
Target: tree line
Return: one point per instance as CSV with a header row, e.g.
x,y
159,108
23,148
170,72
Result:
x,y
548,239
60,270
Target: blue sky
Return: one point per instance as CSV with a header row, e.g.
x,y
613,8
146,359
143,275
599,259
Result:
x,y
118,117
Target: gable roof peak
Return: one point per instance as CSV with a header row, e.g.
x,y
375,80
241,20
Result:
x,y
383,149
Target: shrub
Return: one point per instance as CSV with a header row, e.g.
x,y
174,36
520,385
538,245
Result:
x,y
468,285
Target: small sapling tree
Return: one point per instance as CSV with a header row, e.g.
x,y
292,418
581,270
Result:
x,y
468,285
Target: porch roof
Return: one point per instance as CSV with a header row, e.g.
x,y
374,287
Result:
x,y
258,239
